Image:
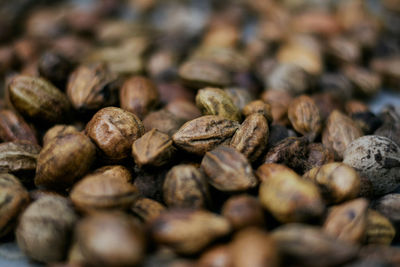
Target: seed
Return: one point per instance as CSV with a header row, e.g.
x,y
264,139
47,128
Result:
x,y
304,116
45,228
228,170
366,82
13,199
254,247
348,221
243,211
121,240
38,99
116,171
343,50
279,101
14,128
291,151
391,125
367,121
186,187
289,78
339,132
267,170
379,229
147,209
239,96
55,67
64,160
204,133
214,101
318,155
92,87
114,130
252,136
258,106
216,256
188,231
376,158
310,246
138,95
154,148
327,102
302,51
58,130
381,254
19,158
101,191
290,198
200,73
183,109
162,120
337,181
389,206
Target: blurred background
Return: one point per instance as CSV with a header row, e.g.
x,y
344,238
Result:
x,y
155,36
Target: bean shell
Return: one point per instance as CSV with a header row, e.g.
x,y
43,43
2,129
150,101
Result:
x,y
204,133
45,229
38,99
215,101
102,191
378,159
188,231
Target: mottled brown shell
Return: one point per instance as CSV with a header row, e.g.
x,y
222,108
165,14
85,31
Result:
x,y
204,133
138,95
188,231
252,136
38,99
114,130
228,170
200,73
103,191
154,148
64,160
215,101
339,132
92,87
14,128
